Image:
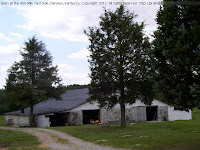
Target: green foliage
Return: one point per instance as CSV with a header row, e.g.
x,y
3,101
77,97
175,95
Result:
x,y
3,102
2,120
6,104
34,78
196,114
120,67
179,135
176,55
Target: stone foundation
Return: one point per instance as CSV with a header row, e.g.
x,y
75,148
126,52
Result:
x,y
162,113
75,118
114,115
22,121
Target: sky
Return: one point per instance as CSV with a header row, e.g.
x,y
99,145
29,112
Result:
x,y
60,24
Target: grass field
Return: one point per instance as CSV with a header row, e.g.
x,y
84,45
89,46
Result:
x,y
13,140
176,135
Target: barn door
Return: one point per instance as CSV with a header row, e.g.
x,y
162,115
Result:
x,y
139,114
90,115
152,113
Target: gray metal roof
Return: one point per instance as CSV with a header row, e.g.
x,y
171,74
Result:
x,y
70,99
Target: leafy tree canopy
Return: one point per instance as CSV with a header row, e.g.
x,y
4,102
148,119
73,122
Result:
x,y
176,54
120,67
6,104
34,78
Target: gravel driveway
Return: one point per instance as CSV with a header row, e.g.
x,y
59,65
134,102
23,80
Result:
x,y
59,140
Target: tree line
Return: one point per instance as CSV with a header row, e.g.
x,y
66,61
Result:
x,y
125,65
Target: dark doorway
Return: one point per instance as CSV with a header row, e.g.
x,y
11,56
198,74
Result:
x,y
90,114
58,119
152,113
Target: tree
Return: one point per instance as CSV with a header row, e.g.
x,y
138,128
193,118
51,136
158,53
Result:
x,y
75,86
3,104
176,54
33,79
6,104
120,68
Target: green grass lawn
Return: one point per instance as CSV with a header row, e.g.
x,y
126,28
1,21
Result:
x,y
17,140
176,135
169,135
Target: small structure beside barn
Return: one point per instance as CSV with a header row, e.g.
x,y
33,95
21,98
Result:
x,y
74,109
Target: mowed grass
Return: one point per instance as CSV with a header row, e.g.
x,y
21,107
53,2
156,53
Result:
x,y
175,135
14,140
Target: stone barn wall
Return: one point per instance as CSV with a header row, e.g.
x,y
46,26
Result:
x,y
114,115
108,116
162,113
22,121
75,118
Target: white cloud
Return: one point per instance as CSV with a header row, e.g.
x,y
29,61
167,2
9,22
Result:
x,y
83,53
9,51
75,78
61,22
8,54
70,75
4,68
3,37
69,22
3,74
66,72
17,35
64,68
2,83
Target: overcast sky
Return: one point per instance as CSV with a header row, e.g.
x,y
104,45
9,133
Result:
x,y
60,26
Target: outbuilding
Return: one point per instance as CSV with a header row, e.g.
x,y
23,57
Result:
x,y
74,109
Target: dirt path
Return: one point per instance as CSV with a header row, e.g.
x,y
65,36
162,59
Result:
x,y
59,140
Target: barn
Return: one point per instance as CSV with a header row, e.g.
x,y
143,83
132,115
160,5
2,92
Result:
x,y
75,110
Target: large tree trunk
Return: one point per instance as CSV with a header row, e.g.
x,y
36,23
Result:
x,y
123,110
31,119
122,98
122,102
